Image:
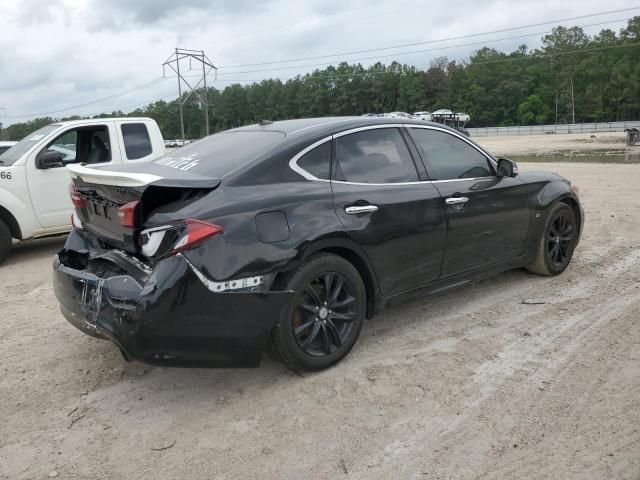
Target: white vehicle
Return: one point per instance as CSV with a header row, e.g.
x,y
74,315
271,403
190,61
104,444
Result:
x,y
399,115
4,146
34,183
426,116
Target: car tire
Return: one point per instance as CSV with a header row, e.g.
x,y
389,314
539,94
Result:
x,y
557,243
323,322
5,241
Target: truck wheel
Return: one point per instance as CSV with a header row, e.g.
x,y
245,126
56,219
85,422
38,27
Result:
x,y
5,241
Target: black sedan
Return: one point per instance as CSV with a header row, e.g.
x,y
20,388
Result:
x,y
289,234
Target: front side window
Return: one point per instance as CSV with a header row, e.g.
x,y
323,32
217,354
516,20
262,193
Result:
x,y
66,145
82,145
449,157
317,161
374,156
137,143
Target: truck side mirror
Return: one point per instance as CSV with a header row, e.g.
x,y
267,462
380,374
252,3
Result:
x,y
49,159
507,168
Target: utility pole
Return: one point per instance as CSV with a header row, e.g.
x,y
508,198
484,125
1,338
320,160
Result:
x,y
573,104
2,109
173,62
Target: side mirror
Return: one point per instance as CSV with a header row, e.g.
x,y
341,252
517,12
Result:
x,y
49,159
507,168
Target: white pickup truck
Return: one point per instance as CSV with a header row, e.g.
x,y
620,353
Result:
x,y
34,183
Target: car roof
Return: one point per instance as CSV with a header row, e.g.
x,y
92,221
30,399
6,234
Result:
x,y
7,143
313,127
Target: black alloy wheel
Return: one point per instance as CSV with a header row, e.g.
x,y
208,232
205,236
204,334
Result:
x,y
324,315
559,240
322,323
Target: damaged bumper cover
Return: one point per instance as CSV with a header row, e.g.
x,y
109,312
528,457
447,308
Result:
x,y
165,316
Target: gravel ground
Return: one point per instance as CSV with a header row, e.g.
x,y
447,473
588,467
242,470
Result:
x,y
545,144
473,383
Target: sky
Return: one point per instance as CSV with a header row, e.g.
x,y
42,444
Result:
x,y
83,57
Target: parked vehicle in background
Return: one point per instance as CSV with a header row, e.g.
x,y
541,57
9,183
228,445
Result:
x,y
404,115
6,145
632,136
176,143
292,233
451,119
426,116
34,197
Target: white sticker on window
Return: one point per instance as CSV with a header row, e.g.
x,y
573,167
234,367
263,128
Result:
x,y
35,138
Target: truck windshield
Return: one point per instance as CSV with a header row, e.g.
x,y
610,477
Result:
x,y
23,146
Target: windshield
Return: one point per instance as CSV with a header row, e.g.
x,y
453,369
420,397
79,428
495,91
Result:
x,y
23,146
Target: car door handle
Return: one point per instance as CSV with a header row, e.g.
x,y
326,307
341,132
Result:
x,y
357,209
456,200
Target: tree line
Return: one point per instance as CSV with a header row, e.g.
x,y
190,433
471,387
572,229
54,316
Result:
x,y
572,77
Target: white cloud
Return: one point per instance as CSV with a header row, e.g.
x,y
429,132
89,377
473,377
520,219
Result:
x,y
60,53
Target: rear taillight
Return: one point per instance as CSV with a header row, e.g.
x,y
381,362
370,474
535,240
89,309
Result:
x,y
197,232
127,214
75,221
76,199
160,242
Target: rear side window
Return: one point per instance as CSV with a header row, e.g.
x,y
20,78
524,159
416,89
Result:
x,y
449,157
317,161
137,143
374,156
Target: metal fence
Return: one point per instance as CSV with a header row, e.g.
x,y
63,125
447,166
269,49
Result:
x,y
554,129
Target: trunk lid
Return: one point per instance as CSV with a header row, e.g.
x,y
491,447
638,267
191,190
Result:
x,y
113,204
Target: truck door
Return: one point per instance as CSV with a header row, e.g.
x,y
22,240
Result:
x,y
49,184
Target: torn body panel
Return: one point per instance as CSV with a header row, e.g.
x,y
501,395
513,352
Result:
x,y
168,316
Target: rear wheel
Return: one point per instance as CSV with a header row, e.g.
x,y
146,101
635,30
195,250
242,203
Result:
x,y
323,322
5,241
558,241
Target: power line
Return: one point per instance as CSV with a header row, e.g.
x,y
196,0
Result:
x,y
397,54
158,80
135,105
353,52
93,102
536,56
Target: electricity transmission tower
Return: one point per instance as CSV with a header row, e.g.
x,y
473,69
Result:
x,y
181,56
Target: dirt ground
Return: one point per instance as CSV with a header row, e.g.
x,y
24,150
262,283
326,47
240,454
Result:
x,y
544,144
470,384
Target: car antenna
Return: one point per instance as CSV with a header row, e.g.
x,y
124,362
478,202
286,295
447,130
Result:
x,y
265,122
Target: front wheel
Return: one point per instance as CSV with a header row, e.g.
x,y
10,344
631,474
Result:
x,y
555,248
321,325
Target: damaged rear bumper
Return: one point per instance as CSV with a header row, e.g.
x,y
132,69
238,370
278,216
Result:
x,y
168,315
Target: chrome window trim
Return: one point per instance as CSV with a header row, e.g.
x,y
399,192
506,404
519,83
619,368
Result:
x,y
293,163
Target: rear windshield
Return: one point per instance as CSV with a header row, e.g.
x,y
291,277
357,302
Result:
x,y
23,146
222,153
